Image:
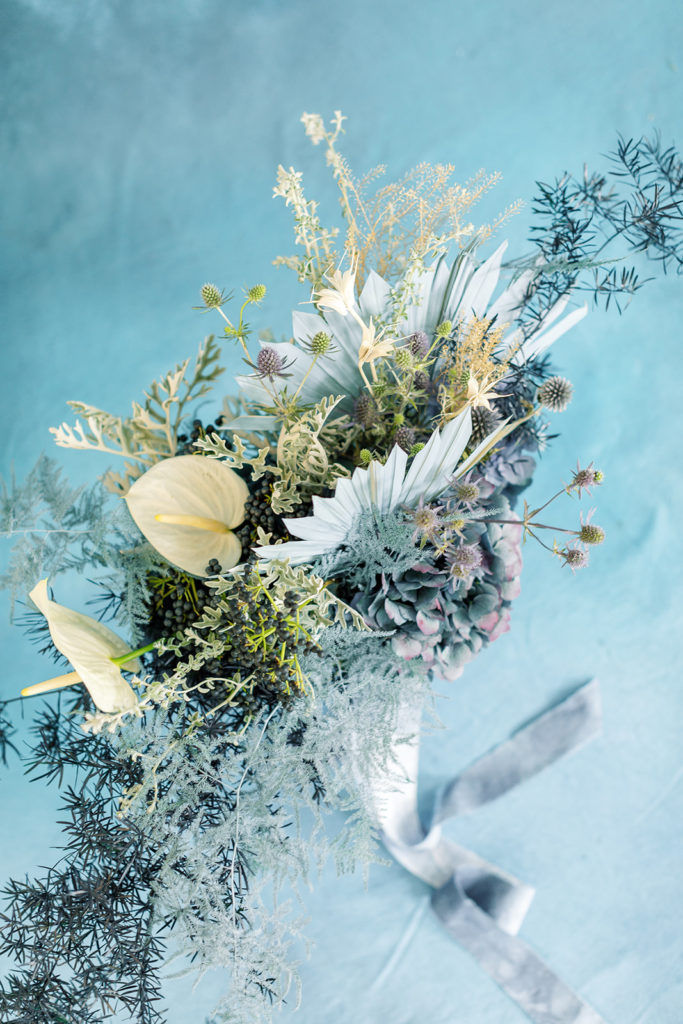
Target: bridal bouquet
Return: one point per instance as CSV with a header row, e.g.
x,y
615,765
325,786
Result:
x,y
271,587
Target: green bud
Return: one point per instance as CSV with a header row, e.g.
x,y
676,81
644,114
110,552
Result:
x,y
590,534
365,456
417,447
444,329
403,358
379,388
211,297
256,293
399,419
320,343
599,476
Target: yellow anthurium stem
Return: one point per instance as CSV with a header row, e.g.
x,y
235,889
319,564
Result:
x,y
199,522
56,683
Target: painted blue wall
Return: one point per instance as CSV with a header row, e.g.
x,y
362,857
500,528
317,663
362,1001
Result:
x,y
139,145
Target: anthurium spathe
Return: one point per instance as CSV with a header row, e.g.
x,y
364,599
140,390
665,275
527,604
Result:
x,y
187,508
90,647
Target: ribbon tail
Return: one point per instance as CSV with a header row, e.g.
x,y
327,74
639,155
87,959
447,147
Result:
x,y
522,975
562,729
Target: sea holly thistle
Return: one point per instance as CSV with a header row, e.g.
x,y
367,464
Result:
x,y
215,300
588,534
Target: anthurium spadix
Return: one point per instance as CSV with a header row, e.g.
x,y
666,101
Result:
x,y
187,508
95,653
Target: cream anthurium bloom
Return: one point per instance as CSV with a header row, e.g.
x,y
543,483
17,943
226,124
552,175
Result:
x,y
90,647
187,507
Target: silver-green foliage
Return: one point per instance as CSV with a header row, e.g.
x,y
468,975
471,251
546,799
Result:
x,y
378,543
283,773
54,526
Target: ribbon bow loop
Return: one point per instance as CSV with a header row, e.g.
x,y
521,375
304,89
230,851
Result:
x,y
481,906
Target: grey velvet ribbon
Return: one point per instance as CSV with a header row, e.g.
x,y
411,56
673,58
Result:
x,y
481,906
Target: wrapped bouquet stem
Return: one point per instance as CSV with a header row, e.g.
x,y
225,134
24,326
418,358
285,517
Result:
x,y
276,590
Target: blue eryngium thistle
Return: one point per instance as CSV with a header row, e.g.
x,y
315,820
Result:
x,y
403,358
585,478
405,438
575,558
464,560
365,410
418,344
422,381
484,422
467,492
269,364
555,393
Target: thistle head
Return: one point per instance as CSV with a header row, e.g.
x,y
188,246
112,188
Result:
x,y
585,478
575,558
484,422
555,393
464,560
418,344
405,437
269,363
256,293
321,343
444,329
365,410
403,358
422,381
466,492
365,456
426,521
591,534
212,297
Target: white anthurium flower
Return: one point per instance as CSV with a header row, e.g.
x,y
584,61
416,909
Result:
x,y
90,647
382,487
441,292
187,507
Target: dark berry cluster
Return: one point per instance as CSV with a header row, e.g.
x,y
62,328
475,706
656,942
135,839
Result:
x,y
260,641
264,643
186,441
258,512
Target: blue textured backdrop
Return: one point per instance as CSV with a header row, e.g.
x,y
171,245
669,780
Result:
x,y
139,145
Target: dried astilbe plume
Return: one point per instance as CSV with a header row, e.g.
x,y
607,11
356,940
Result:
x,y
470,367
393,229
